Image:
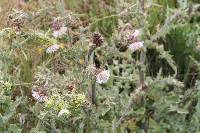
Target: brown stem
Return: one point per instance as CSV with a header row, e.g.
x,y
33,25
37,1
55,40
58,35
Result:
x,y
92,92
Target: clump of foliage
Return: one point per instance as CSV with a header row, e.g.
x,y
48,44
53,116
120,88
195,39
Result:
x,y
100,66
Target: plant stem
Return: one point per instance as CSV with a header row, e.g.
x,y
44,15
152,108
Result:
x,y
92,92
91,89
143,52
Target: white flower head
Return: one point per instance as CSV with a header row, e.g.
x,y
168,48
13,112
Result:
x,y
135,46
136,33
103,77
60,32
39,97
63,111
52,48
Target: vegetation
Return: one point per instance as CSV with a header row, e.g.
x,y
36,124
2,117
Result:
x,y
105,66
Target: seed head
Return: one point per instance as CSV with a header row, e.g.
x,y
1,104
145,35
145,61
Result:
x,y
71,88
97,39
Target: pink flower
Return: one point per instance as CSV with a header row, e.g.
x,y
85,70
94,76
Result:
x,y
103,77
58,27
135,46
52,48
38,96
60,32
134,37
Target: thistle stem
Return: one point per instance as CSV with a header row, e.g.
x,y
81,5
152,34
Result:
x,y
91,89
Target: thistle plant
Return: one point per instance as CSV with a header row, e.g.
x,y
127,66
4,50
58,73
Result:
x,y
121,66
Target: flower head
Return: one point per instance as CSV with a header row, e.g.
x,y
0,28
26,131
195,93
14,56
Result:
x,y
56,24
63,111
134,37
52,48
58,28
60,32
39,96
136,45
97,39
71,88
103,77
